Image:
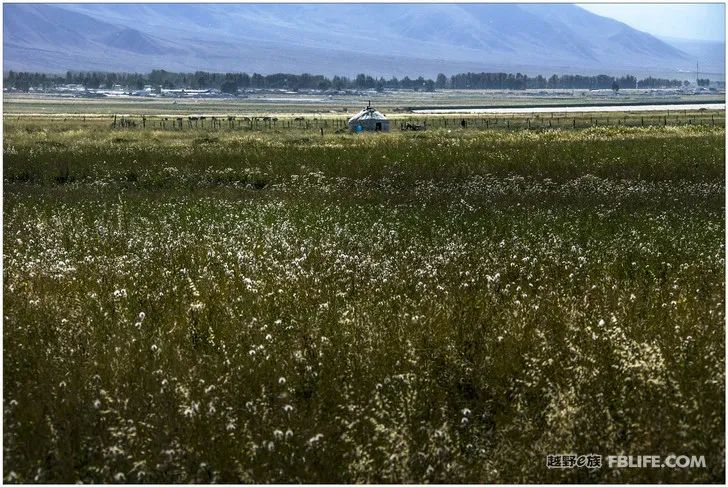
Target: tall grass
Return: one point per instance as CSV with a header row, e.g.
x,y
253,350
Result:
x,y
440,307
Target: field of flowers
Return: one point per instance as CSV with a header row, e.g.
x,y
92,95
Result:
x,y
445,306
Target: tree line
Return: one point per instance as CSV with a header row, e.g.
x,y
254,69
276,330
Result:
x,y
233,82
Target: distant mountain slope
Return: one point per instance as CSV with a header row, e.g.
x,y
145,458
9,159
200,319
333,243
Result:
x,y
381,39
134,41
710,54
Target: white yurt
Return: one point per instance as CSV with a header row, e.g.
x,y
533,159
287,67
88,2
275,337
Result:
x,y
369,119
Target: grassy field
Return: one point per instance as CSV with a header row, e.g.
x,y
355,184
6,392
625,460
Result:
x,y
440,306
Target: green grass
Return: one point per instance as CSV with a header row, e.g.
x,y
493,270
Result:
x,y
445,306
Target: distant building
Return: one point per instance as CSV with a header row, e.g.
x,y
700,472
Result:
x,y
369,119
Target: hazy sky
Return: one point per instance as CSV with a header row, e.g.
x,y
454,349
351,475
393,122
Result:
x,y
689,21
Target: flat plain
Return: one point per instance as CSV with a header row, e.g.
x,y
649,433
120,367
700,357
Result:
x,y
269,304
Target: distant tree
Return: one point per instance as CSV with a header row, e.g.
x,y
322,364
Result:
x,y
229,86
703,82
338,83
651,82
628,81
554,82
22,84
257,81
602,82
91,81
467,81
540,82
244,81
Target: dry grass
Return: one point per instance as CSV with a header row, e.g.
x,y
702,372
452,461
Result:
x,y
437,307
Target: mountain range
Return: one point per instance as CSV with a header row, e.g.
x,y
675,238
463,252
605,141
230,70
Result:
x,y
343,39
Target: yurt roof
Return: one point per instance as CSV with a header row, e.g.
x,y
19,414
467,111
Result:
x,y
368,113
